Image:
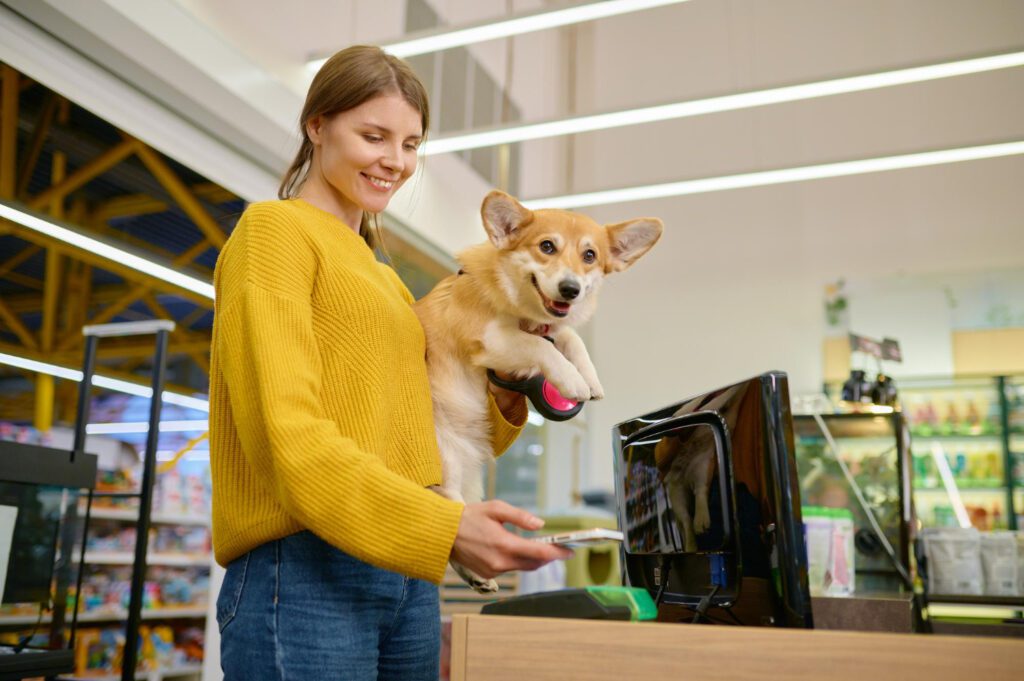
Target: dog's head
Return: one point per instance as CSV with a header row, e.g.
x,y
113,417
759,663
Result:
x,y
552,262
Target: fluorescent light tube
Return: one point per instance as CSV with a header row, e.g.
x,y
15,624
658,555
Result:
x,y
105,250
104,382
435,41
194,426
699,107
782,176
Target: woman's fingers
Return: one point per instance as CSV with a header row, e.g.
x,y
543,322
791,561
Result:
x,y
507,513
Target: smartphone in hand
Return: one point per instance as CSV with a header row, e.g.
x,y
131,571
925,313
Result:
x,y
578,538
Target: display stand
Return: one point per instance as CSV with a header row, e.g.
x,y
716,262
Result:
x,y
162,329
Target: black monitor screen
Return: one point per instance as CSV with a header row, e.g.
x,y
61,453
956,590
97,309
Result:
x,y
710,508
34,542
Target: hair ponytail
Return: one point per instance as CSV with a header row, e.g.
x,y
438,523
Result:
x,y
296,174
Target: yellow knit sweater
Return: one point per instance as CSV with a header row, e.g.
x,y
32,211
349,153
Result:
x,y
320,410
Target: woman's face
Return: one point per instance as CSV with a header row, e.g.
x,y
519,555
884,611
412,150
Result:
x,y
367,153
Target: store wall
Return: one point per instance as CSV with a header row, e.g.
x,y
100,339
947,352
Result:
x,y
736,286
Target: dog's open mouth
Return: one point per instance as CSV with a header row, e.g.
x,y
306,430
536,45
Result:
x,y
558,308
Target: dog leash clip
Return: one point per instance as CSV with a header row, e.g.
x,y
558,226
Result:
x,y
544,397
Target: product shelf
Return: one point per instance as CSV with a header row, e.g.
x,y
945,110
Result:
x,y
154,675
101,513
996,601
191,612
162,559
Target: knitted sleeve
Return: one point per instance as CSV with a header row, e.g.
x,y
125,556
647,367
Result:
x,y
272,368
504,428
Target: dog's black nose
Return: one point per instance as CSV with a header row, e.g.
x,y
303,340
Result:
x,y
569,289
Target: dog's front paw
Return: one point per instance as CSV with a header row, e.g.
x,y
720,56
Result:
x,y
475,581
596,391
484,586
571,385
701,519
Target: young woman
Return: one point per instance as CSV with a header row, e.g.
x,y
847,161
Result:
x,y
322,438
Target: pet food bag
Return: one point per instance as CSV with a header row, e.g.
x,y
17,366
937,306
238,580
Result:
x,y
1020,563
830,554
999,563
840,577
954,560
818,539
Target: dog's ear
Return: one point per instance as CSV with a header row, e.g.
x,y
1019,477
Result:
x,y
631,239
502,216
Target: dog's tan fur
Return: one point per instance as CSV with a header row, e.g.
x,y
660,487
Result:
x,y
488,317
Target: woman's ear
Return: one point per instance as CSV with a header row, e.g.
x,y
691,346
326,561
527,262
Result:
x,y
313,128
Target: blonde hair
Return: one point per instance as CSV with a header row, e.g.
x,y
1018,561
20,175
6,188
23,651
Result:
x,y
351,77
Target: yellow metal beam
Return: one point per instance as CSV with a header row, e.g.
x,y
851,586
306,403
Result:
x,y
103,263
22,280
181,194
9,93
15,260
133,205
131,296
44,382
20,303
35,145
106,371
192,317
91,170
110,351
14,324
178,334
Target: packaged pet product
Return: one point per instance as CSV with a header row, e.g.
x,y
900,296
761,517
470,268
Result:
x,y
840,578
1020,562
954,560
999,563
818,538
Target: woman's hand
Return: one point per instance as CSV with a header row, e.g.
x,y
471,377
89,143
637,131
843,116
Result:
x,y
484,546
511,404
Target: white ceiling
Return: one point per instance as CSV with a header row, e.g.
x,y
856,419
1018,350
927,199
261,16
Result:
x,y
735,287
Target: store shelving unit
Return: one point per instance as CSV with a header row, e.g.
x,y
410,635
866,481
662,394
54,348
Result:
x,y
977,426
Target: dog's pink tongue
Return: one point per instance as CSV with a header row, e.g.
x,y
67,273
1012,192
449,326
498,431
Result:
x,y
560,306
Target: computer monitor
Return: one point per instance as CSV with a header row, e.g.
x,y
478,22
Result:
x,y
33,541
709,505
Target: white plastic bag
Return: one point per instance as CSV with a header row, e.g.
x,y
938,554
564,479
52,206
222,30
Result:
x,y
954,560
999,563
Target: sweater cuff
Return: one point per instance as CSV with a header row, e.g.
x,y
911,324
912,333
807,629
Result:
x,y
506,428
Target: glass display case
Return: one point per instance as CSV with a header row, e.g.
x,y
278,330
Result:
x,y
871,479
968,436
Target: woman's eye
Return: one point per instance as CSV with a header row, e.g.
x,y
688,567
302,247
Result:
x,y
373,138
411,147
547,246
589,256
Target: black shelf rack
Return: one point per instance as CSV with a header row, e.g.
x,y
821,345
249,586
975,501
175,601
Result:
x,y
76,469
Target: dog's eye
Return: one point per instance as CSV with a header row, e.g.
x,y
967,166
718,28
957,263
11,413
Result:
x,y
547,246
589,256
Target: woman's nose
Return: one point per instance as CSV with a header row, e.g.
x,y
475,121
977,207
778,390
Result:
x,y
392,160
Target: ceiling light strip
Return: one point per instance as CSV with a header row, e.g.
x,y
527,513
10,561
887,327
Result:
x,y
104,382
105,250
437,40
782,176
699,107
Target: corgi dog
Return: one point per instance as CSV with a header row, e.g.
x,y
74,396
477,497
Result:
x,y
535,279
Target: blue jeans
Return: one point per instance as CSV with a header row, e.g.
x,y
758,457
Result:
x,y
299,609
